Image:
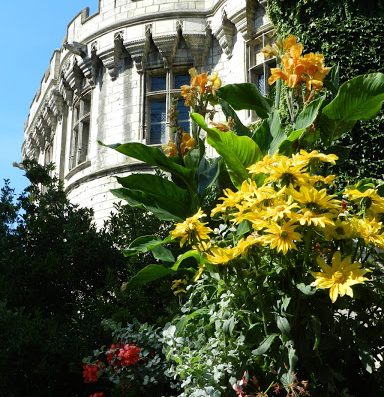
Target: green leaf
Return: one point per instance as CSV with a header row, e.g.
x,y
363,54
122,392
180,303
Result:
x,y
277,132
229,325
306,289
189,254
265,345
148,274
246,96
156,194
238,152
263,137
358,99
163,254
331,80
309,114
152,156
182,323
243,228
283,325
239,127
207,173
144,244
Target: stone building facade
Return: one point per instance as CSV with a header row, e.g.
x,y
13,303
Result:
x,y
116,73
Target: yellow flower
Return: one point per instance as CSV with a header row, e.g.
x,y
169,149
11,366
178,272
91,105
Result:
x,y
371,199
199,272
341,230
281,237
304,157
370,230
339,277
214,83
170,150
316,200
192,229
187,143
287,173
229,201
221,256
280,209
178,286
263,166
323,220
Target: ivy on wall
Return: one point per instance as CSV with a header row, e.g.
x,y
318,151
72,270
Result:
x,y
348,32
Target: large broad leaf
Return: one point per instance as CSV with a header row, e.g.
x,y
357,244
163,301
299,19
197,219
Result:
x,y
331,80
262,136
358,99
207,173
189,254
148,274
239,127
277,132
150,243
309,114
238,152
153,156
246,96
156,194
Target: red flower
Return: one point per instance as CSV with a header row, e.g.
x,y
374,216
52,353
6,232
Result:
x,y
129,354
98,394
90,373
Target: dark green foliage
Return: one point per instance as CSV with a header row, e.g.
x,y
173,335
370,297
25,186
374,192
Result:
x,y
153,303
348,33
57,276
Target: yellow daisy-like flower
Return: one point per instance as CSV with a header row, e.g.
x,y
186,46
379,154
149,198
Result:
x,y
263,166
192,229
229,201
221,256
316,200
339,277
370,230
287,173
373,201
281,237
305,158
280,209
341,230
311,218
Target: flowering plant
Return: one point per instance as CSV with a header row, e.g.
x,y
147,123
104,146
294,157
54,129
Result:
x,y
133,364
282,231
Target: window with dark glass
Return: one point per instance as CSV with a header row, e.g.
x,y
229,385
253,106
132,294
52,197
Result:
x,y
162,88
80,131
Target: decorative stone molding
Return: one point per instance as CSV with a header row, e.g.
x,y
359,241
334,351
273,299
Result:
x,y
90,66
66,91
56,103
199,45
243,18
111,57
139,49
225,34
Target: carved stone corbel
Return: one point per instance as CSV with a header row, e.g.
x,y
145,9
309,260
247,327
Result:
x,y
199,45
112,56
56,103
167,46
139,50
66,91
243,18
90,66
225,35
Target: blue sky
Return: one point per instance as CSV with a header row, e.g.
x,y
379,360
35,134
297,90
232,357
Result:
x,y
29,33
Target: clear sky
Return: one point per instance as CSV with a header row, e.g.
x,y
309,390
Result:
x,y
29,33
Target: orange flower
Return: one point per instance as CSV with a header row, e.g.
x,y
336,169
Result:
x,y
170,149
187,143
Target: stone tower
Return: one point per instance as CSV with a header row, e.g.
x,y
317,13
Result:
x,y
116,73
